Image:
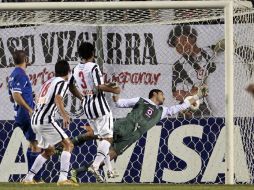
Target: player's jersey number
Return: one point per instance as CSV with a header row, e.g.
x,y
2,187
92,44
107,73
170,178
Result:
x,y
44,91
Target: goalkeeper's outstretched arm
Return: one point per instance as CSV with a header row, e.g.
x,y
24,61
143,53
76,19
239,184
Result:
x,y
169,111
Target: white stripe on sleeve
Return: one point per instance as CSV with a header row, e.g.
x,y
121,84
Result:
x,y
127,103
169,111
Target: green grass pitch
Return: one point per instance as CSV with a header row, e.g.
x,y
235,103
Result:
x,y
111,186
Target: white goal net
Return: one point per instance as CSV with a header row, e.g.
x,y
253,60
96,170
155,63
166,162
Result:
x,y
175,50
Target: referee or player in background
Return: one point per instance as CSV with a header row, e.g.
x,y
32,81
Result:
x,y
21,94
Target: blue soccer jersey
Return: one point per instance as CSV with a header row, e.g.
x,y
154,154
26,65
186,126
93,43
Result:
x,y
19,82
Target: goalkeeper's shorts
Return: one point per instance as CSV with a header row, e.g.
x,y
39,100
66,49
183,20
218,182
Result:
x,y
124,135
125,142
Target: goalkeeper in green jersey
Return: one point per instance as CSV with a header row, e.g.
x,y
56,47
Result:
x,y
145,113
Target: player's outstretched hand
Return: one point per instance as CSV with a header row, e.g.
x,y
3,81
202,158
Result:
x,y
202,91
250,89
66,121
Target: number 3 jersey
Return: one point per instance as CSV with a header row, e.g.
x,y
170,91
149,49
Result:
x,y
87,77
46,108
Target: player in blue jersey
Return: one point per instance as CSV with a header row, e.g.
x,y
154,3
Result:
x,y
21,94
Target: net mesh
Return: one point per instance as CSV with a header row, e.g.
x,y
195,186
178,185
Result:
x,y
176,50
243,73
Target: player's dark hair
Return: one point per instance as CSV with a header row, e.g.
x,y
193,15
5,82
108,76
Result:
x,y
62,68
179,30
153,91
19,57
86,50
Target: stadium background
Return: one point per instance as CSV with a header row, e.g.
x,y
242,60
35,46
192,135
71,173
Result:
x,y
177,150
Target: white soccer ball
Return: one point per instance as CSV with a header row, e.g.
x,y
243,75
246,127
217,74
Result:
x,y
193,107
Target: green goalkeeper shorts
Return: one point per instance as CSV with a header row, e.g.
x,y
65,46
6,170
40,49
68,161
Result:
x,y
124,135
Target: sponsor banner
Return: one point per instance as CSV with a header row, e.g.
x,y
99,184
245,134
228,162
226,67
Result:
x,y
138,57
174,151
45,45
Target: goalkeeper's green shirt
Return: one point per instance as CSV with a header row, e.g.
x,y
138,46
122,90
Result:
x,y
145,113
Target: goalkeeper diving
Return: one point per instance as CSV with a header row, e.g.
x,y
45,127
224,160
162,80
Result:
x,y
145,113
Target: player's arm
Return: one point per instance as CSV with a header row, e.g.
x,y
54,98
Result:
x,y
73,89
60,92
125,103
109,88
172,110
99,83
20,101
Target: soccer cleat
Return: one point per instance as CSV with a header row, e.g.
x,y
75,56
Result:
x,y
27,182
97,175
74,174
112,174
67,182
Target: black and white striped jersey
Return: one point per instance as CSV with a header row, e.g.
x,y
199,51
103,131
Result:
x,y
46,108
87,76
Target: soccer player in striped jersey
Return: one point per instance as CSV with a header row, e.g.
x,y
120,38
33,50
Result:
x,y
48,132
91,88
21,94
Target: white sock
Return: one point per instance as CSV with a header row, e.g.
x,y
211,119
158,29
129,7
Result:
x,y
108,163
38,163
102,152
65,164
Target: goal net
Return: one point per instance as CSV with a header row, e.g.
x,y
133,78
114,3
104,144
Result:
x,y
175,50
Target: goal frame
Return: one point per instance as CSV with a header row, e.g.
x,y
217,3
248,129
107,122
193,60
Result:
x,y
229,46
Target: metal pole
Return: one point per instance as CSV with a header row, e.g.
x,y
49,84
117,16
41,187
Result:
x,y
229,89
112,5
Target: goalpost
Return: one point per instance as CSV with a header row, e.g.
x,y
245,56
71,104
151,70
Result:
x,y
105,23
